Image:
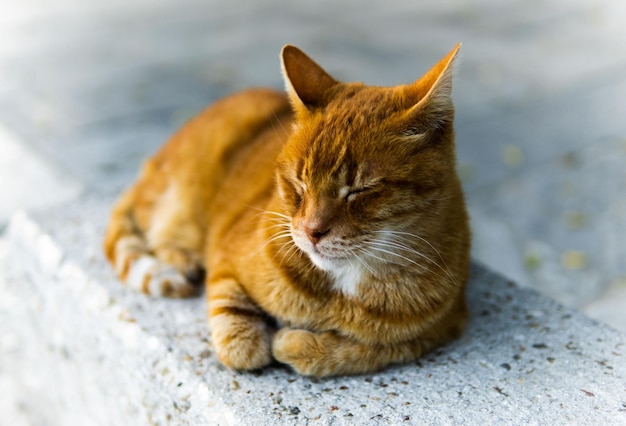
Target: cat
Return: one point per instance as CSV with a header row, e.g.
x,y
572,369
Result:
x,y
328,223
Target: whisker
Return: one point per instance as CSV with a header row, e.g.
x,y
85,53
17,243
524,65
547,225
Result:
x,y
250,233
402,257
362,262
280,225
271,212
408,234
293,250
371,254
275,237
391,244
280,123
382,250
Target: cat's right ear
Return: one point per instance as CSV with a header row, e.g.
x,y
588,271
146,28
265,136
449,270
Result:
x,y
308,85
432,93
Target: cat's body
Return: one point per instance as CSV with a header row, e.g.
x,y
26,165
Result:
x,y
339,214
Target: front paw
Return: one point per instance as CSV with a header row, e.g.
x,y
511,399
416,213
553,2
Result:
x,y
300,349
241,344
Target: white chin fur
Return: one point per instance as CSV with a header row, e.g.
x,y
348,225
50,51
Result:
x,y
321,262
346,275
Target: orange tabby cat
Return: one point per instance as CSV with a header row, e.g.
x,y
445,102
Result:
x,y
335,210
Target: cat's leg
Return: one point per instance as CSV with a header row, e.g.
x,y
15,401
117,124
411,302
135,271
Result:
x,y
329,354
166,271
154,247
240,331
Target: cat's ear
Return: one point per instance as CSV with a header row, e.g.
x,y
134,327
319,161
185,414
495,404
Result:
x,y
308,85
432,93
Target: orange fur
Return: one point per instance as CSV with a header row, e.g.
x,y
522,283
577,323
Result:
x,y
335,210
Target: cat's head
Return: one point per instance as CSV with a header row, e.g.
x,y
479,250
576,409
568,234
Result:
x,y
365,167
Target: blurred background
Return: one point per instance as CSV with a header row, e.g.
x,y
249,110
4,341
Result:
x,y
89,89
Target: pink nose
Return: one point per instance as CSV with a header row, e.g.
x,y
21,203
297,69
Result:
x,y
315,233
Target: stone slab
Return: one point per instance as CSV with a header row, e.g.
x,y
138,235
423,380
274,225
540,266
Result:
x,y
28,181
81,347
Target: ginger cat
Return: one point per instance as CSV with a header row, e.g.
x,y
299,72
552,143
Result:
x,y
334,211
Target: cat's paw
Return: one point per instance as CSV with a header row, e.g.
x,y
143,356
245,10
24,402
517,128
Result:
x,y
186,262
150,276
302,350
241,343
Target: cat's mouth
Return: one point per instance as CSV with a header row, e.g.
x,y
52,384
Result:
x,y
326,256
325,260
323,255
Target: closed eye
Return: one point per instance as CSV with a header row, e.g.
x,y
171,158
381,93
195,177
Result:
x,y
355,192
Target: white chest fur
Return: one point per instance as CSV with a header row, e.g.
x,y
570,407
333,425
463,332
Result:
x,y
347,278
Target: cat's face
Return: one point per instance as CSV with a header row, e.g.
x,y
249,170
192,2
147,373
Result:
x,y
365,167
356,182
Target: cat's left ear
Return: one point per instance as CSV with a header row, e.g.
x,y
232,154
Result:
x,y
432,93
308,85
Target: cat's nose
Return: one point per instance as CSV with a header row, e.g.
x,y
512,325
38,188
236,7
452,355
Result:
x,y
315,232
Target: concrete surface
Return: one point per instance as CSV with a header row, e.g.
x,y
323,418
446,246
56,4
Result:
x,y
29,181
83,350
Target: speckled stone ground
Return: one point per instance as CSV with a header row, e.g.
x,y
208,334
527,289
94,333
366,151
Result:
x,y
78,339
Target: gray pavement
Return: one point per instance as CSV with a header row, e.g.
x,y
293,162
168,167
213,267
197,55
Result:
x,y
78,348
93,88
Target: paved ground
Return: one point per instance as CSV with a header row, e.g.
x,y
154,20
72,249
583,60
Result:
x,y
523,359
88,89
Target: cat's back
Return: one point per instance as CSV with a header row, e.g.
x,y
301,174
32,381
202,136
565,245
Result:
x,y
224,127
202,164
223,161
